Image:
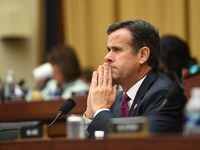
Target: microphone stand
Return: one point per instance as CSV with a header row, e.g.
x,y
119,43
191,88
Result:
x,y
58,115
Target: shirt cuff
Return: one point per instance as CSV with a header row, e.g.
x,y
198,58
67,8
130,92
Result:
x,y
87,120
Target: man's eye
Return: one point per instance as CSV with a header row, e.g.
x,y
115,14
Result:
x,y
116,49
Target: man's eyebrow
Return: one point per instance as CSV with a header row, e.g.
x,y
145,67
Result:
x,y
113,47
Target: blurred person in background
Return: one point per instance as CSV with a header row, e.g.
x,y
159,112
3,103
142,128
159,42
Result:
x,y
66,74
175,59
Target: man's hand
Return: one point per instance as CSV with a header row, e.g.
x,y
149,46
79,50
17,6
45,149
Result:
x,y
102,93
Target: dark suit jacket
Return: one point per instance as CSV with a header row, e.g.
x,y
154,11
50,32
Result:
x,y
158,98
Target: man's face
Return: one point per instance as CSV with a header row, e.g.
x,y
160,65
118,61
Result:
x,y
124,62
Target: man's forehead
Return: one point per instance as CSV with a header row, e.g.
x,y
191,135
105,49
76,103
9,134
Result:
x,y
120,33
122,36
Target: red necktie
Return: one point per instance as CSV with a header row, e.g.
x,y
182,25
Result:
x,y
124,106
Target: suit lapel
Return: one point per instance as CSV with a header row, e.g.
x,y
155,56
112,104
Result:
x,y
146,84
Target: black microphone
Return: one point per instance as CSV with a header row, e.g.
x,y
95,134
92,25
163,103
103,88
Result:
x,y
64,109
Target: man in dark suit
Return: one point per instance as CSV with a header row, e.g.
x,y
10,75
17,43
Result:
x,y
132,61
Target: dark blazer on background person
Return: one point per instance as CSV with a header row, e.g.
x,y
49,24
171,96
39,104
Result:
x,y
157,98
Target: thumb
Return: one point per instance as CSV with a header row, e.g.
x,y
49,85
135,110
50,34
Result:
x,y
114,92
115,89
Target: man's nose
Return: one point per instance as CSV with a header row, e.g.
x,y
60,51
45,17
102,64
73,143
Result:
x,y
108,57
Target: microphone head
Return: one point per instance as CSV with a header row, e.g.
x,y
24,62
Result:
x,y
67,106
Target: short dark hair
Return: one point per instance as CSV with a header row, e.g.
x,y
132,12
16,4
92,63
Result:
x,y
143,34
66,58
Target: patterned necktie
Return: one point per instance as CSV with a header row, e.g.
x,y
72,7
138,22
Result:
x,y
124,106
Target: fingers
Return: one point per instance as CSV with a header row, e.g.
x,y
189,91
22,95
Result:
x,y
105,75
94,80
109,76
115,89
113,95
102,93
100,78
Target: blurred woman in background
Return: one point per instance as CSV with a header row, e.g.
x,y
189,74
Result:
x,y
66,79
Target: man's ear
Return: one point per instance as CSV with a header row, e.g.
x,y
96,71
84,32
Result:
x,y
144,54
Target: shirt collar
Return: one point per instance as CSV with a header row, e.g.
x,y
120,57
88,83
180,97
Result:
x,y
133,90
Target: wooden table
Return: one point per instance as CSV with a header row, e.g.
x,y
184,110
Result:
x,y
43,111
135,143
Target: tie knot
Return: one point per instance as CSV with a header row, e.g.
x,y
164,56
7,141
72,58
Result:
x,y
125,97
